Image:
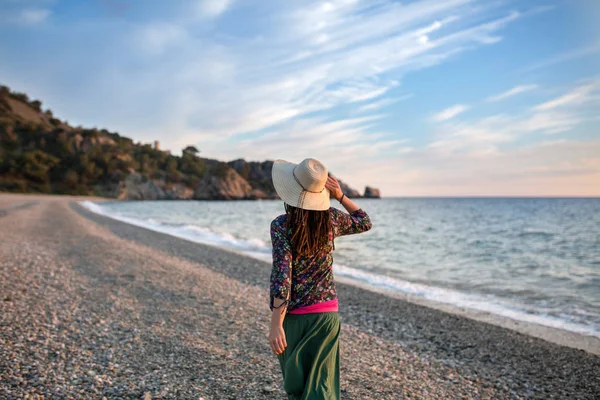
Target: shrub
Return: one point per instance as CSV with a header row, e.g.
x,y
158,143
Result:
x,y
20,96
220,170
14,186
71,179
36,105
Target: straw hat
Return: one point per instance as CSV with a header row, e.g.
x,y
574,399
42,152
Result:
x,y
302,185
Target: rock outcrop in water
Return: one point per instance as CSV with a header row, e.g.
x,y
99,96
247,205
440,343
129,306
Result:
x,y
372,193
42,154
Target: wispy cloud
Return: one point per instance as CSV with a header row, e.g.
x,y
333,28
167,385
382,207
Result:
x,y
461,156
546,123
512,92
213,8
376,105
576,96
406,150
581,52
33,16
158,37
316,57
359,91
450,112
485,136
556,168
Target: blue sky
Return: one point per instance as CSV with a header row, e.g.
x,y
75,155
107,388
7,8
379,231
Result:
x,y
431,97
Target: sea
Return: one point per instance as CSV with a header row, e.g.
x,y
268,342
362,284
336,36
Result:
x,y
535,260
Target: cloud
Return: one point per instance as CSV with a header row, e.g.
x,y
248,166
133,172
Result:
x,y
548,123
484,137
576,96
450,112
347,67
384,103
474,139
33,16
339,140
562,168
406,150
512,92
345,145
359,91
564,57
213,8
488,39
289,73
488,136
314,58
156,38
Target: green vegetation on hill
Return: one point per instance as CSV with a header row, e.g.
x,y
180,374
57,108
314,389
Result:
x,y
39,153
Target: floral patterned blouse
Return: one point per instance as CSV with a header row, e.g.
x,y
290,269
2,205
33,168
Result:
x,y
308,280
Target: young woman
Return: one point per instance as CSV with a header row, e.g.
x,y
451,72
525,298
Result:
x,y
305,326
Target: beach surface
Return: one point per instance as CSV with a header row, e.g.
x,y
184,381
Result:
x,y
95,308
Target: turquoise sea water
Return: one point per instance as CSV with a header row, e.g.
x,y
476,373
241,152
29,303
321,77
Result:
x,y
535,260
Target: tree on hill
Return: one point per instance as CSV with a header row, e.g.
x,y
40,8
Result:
x,y
191,150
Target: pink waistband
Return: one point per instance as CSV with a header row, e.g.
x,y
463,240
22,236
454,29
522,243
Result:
x,y
326,306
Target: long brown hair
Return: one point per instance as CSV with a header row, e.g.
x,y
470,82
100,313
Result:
x,y
310,229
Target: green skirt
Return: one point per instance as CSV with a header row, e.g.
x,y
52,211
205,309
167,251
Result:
x,y
311,360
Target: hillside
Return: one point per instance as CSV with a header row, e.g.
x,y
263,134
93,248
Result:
x,y
39,153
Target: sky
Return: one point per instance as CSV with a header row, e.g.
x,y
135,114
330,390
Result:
x,y
416,98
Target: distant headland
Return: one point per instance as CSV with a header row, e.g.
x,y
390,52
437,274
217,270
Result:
x,y
39,153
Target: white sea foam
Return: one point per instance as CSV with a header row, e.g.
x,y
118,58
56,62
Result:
x,y
463,300
255,247
93,207
258,249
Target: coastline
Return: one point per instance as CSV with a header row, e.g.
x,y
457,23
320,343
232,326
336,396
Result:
x,y
561,336
164,295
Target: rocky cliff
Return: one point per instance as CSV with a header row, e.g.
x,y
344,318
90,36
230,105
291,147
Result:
x,y
40,153
230,186
258,175
348,191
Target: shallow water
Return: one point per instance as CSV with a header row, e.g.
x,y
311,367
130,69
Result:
x,y
535,260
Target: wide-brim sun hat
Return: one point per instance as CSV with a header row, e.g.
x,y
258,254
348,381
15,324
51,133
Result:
x,y
302,185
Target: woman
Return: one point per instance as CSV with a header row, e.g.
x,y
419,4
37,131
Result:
x,y
305,326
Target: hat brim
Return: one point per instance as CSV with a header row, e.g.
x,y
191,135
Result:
x,y
291,192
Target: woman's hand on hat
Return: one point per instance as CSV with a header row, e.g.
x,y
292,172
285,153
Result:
x,y
334,188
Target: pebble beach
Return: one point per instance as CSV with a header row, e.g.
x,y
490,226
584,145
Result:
x,y
93,308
